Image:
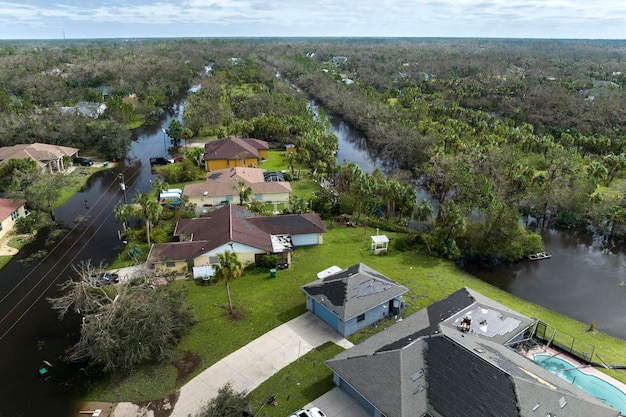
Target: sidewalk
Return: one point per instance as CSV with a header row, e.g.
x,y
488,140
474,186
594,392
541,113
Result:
x,y
249,366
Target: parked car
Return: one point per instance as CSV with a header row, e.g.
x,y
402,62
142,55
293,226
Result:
x,y
310,412
159,160
105,278
86,162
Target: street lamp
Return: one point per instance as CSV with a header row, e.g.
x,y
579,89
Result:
x,y
122,185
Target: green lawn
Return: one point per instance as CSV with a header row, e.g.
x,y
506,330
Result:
x,y
275,161
270,302
75,181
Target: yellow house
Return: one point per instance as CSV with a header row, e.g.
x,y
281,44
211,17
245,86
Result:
x,y
234,152
175,256
10,211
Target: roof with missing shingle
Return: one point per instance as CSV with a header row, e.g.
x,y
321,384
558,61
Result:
x,y
226,224
450,373
353,291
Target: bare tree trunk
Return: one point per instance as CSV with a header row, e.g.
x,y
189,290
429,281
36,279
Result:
x,y
230,303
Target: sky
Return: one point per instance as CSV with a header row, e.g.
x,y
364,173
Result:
x,y
88,19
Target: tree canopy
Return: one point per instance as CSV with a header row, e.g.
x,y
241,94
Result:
x,y
124,325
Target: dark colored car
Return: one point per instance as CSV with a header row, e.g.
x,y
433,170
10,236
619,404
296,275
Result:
x,y
105,278
158,160
86,162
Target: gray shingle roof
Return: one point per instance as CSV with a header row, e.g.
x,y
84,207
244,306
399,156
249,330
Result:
x,y
426,364
353,290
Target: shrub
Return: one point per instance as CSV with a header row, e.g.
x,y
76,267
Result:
x,y
269,261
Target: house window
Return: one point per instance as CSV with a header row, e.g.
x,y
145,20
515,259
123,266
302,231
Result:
x,y
229,198
360,318
0,227
170,264
213,260
15,215
258,197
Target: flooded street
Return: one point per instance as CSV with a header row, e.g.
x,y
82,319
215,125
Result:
x,y
30,332
581,280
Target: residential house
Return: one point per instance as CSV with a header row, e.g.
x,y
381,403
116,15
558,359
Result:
x,y
175,256
353,298
234,152
10,211
453,359
49,158
236,229
90,109
222,186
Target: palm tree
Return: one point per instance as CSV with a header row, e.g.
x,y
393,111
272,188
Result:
x,y
160,186
244,192
150,211
423,212
123,212
230,268
290,157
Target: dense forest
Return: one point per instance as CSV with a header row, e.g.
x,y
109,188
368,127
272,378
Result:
x,y
501,132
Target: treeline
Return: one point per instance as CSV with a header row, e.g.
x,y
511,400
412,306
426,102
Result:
x,y
42,85
442,109
496,130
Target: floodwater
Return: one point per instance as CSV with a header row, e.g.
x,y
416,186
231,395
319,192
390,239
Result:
x,y
582,280
30,332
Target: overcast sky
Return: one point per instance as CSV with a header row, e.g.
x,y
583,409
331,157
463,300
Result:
x,y
52,19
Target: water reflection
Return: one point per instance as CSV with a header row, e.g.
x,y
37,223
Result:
x,y
581,280
30,331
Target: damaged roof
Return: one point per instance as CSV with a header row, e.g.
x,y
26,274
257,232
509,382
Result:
x,y
425,364
353,290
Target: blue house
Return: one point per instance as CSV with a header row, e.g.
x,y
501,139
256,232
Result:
x,y
353,298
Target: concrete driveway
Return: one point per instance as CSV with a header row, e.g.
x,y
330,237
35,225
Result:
x,y
251,365
337,403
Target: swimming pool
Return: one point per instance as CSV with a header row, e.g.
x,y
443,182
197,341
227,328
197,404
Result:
x,y
591,384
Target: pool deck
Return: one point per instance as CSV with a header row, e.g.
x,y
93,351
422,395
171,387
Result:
x,y
583,367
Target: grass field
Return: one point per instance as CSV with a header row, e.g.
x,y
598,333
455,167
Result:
x,y
269,302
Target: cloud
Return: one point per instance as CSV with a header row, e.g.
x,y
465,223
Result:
x,y
534,18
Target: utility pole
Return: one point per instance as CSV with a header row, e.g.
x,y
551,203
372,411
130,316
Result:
x,y
164,145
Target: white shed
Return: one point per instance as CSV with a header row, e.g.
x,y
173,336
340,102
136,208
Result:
x,y
379,244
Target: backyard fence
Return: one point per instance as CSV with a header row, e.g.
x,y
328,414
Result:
x,y
564,341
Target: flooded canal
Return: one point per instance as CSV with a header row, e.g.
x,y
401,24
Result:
x,y
582,280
